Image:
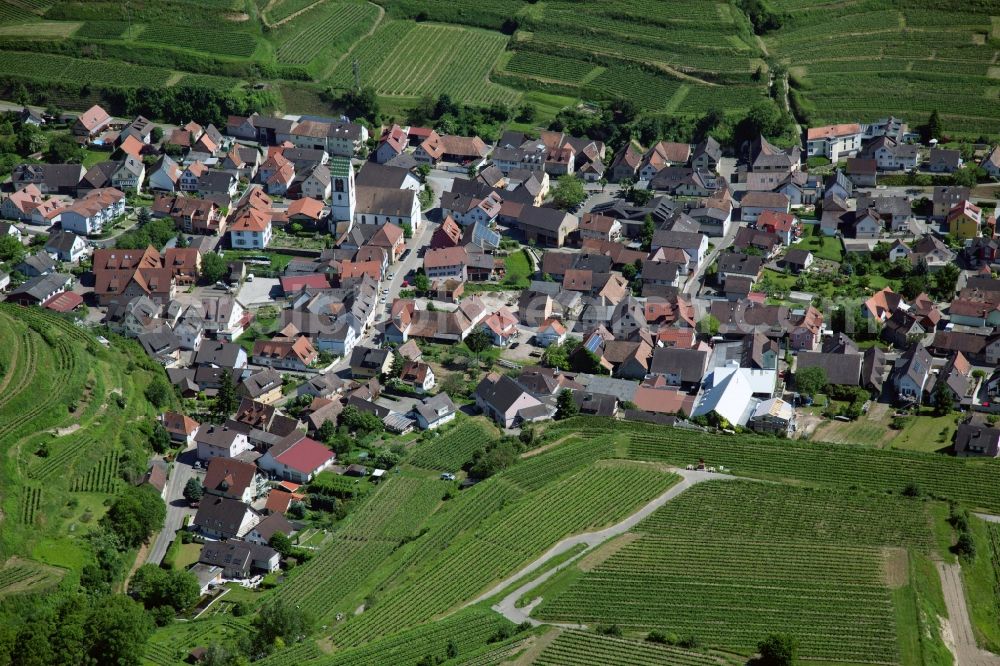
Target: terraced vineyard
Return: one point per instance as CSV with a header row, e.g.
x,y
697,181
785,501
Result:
x,y
101,478
229,42
595,496
577,648
327,28
31,498
67,450
57,68
450,451
548,67
843,466
896,50
705,566
21,576
433,59
540,469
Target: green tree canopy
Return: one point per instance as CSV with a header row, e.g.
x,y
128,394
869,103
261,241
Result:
x,y
810,381
568,192
566,405
213,267
155,587
135,514
778,650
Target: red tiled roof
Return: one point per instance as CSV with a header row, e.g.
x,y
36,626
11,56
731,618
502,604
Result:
x,y
293,283
307,455
64,302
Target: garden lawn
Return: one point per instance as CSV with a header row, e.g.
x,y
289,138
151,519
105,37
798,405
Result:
x,y
518,267
926,433
823,247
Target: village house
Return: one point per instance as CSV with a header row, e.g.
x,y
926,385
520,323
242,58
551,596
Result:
x,y
506,403
220,442
224,518
66,246
834,141
88,215
434,412
297,458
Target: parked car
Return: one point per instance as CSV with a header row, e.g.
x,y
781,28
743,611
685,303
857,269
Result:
x,y
447,476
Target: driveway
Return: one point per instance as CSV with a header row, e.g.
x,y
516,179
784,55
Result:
x,y
177,506
262,291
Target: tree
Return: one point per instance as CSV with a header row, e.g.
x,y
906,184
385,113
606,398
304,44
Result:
x,y
945,280
648,229
968,175
279,621
213,267
944,402
159,440
63,149
360,423
158,392
568,192
423,171
226,400
396,369
193,490
119,628
135,514
709,325
629,271
155,587
565,405
932,128
810,381
11,250
327,431
143,216
478,341
762,119
526,113
778,650
156,135
181,240
360,103
29,139
421,282
281,543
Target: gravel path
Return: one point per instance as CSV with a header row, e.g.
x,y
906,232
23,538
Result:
x,y
967,653
590,539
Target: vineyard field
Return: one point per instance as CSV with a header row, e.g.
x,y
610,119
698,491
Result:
x,y
230,42
327,28
840,465
813,564
432,59
453,449
595,496
577,648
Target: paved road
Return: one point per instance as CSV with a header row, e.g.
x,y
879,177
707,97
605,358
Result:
x,y
177,506
590,539
967,653
990,518
694,280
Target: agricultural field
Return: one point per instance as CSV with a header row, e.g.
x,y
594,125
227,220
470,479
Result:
x,y
427,59
595,496
326,28
938,58
729,562
577,648
56,69
836,465
232,43
451,450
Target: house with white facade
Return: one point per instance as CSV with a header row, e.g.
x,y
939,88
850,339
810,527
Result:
x,y
834,142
